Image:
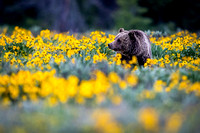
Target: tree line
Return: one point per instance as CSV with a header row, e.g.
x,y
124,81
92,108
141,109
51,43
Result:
x,y
82,15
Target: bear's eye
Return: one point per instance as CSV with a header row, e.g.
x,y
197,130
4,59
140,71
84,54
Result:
x,y
118,40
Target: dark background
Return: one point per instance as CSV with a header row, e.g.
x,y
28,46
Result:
x,y
84,15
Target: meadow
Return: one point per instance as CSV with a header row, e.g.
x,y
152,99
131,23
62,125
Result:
x,y
61,82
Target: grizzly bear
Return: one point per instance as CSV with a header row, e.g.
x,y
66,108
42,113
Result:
x,y
132,43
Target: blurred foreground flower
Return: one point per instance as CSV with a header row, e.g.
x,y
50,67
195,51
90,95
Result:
x,y
105,123
174,123
149,119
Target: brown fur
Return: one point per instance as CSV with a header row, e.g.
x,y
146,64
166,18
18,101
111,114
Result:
x,y
132,43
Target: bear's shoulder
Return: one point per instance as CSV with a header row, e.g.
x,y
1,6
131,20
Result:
x,y
142,36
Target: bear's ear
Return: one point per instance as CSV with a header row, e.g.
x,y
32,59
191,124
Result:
x,y
121,30
132,35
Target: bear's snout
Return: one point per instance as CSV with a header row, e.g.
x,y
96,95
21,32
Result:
x,y
110,46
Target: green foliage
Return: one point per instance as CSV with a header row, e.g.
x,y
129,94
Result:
x,y
129,16
157,51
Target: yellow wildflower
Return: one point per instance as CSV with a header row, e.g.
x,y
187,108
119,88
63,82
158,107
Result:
x,y
149,118
174,123
132,79
113,77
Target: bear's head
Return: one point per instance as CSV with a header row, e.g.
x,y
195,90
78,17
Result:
x,y
125,42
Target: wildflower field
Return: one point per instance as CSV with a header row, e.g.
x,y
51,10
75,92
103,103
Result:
x,y
58,82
